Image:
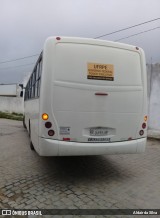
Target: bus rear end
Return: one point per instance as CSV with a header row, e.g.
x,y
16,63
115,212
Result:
x,y
96,98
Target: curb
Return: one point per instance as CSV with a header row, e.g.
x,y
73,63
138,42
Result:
x,y
153,134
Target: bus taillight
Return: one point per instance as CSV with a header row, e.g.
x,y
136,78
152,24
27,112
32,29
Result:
x,y
141,132
58,38
48,125
45,116
51,132
144,125
145,118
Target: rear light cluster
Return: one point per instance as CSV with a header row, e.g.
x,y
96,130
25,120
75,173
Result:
x,y
51,132
144,125
48,124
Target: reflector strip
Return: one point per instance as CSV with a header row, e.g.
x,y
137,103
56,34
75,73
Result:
x,y
100,93
66,139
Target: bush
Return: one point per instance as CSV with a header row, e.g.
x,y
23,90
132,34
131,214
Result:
x,y
12,116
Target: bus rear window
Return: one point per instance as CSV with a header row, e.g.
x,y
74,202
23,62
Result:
x,y
97,65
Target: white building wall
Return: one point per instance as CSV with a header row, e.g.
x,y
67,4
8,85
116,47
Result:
x,y
154,96
11,104
8,90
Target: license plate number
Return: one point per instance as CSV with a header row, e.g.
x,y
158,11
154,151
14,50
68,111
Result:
x,y
98,131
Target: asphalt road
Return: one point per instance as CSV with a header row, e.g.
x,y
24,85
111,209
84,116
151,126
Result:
x,y
97,182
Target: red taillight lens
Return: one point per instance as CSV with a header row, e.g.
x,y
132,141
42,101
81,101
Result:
x,y
51,132
144,125
58,38
66,139
130,138
141,132
48,125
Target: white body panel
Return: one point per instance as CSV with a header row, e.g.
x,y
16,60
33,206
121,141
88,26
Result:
x,y
49,147
75,110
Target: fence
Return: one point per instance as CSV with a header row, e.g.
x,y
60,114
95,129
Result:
x,y
153,72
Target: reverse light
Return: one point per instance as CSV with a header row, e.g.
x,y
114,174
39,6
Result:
x,y
45,116
51,132
141,132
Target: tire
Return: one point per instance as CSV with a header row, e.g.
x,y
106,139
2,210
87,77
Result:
x,y
31,144
24,125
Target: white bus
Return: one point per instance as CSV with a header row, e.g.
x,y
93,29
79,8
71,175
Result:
x,y
87,97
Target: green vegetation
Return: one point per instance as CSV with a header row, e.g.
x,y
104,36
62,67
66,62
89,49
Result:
x,y
12,116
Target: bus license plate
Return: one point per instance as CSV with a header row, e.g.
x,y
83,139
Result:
x,y
98,131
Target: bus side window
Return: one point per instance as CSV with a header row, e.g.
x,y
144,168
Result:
x,y
31,85
32,89
29,91
36,83
25,94
33,82
39,77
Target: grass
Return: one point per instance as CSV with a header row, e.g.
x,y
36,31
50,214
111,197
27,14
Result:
x,y
11,116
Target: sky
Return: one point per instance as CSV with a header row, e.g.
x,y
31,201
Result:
x,y
25,24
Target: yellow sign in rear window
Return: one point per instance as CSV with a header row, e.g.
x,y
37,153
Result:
x,y
100,71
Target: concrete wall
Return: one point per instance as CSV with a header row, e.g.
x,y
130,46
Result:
x,y
11,104
8,90
153,73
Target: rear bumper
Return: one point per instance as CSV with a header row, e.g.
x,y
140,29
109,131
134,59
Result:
x,y
49,147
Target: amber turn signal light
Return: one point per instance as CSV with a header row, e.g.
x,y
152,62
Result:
x,y
45,116
145,118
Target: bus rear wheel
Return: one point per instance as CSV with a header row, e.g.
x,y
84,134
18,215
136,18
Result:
x,y
31,144
24,125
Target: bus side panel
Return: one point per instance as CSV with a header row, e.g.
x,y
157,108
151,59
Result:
x,y
32,120
145,104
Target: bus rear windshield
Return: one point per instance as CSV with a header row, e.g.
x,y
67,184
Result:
x,y
97,65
